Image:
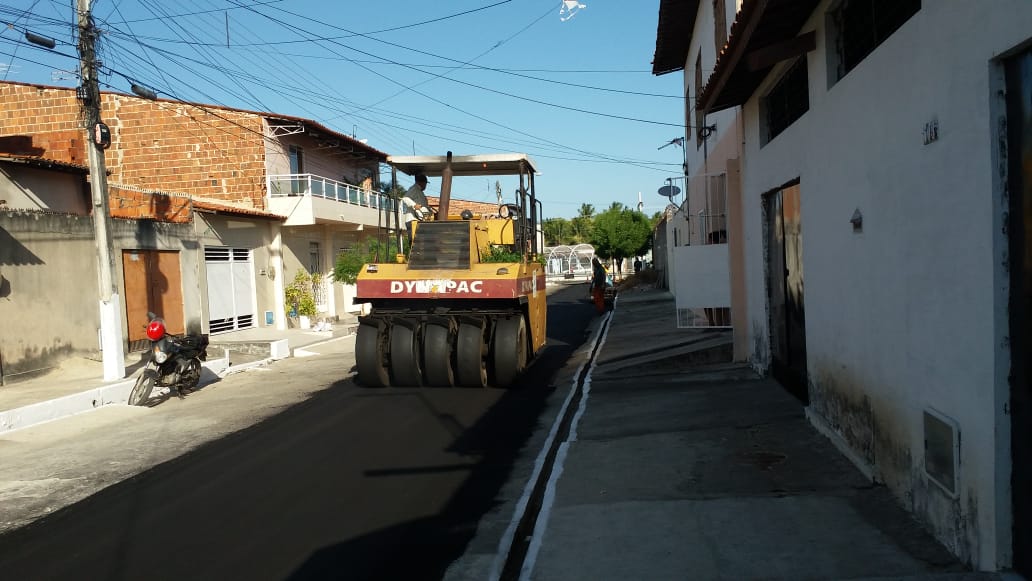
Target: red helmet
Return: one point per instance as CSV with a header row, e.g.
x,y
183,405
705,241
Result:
x,y
156,330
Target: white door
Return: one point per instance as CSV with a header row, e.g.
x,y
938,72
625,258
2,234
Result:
x,y
231,295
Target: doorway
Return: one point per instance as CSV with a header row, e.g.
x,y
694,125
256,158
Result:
x,y
1019,155
787,324
152,284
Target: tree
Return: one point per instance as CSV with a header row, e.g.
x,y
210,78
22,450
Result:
x,y
557,231
580,226
620,232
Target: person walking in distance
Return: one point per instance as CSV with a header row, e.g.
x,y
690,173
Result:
x,y
598,285
414,201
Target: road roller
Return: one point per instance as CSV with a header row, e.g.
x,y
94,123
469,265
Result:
x,y
464,305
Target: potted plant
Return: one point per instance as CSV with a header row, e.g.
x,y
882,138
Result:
x,y
300,299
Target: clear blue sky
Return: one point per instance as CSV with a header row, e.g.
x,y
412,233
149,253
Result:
x,y
410,76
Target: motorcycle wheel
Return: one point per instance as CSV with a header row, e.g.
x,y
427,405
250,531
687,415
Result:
x,y
191,375
142,389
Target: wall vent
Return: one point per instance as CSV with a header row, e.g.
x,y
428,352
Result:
x,y
941,450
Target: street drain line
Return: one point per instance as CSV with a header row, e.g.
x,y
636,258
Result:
x,y
519,543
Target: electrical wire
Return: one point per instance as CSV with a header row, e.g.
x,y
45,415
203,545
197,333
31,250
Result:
x,y
539,142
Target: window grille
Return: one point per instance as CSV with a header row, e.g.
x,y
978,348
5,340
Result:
x,y
788,100
862,25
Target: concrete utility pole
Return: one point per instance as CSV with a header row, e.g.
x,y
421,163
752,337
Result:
x,y
89,100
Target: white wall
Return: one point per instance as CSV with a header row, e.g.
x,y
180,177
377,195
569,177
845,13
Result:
x,y
900,318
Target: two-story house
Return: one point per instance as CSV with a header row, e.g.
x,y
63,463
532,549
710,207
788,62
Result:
x,y
884,145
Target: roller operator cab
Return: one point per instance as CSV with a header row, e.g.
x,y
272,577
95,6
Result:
x,y
466,307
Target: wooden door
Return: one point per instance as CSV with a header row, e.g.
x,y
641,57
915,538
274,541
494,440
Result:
x,y
152,284
785,290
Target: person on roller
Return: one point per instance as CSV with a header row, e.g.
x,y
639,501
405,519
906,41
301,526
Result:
x,y
415,204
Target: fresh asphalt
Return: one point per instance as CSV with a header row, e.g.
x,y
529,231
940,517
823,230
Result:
x,y
286,472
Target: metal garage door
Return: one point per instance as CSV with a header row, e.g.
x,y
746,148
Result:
x,y
231,295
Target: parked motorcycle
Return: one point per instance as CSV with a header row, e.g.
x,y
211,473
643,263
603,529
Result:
x,y
174,363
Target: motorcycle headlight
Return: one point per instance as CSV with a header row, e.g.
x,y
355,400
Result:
x,y
159,355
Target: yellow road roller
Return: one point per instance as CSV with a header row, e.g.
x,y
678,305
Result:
x,y
465,305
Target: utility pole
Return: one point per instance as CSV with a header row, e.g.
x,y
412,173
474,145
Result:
x,y
89,101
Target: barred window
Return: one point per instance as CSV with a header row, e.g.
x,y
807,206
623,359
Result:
x,y
860,26
787,100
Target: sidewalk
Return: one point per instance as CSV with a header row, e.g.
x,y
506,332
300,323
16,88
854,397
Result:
x,y
680,468
78,386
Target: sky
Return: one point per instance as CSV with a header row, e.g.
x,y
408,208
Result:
x,y
419,77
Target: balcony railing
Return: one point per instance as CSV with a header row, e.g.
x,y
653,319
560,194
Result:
x,y
308,184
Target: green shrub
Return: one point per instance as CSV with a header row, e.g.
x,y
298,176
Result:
x,y
349,262
298,294
501,254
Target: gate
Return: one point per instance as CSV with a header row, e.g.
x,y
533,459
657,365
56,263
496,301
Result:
x,y
231,302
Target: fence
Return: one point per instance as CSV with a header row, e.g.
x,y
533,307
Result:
x,y
309,184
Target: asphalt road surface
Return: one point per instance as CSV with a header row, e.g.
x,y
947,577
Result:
x,y
345,482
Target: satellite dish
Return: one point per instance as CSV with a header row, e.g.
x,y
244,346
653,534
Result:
x,y
669,191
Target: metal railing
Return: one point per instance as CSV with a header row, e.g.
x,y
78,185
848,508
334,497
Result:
x,y
309,184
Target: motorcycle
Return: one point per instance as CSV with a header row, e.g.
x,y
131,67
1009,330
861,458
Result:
x,y
174,363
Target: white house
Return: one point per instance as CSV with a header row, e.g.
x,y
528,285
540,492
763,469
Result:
x,y
885,156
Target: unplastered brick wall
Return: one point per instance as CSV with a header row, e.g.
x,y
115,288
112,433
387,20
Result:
x,y
206,151
133,204
48,117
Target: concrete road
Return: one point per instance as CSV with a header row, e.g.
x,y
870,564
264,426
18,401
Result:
x,y
290,471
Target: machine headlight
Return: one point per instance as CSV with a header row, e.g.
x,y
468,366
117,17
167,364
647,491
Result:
x,y
159,355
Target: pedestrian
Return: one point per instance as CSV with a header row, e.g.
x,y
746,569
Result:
x,y
598,285
415,204
637,265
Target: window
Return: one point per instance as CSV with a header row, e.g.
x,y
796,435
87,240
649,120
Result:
x,y
297,159
314,258
720,25
700,118
787,100
688,108
857,27
297,166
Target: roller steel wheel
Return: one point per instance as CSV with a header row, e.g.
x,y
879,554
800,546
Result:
x,y
405,367
510,350
470,369
437,356
370,354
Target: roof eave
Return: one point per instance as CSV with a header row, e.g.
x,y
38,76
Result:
x,y
733,81
673,35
